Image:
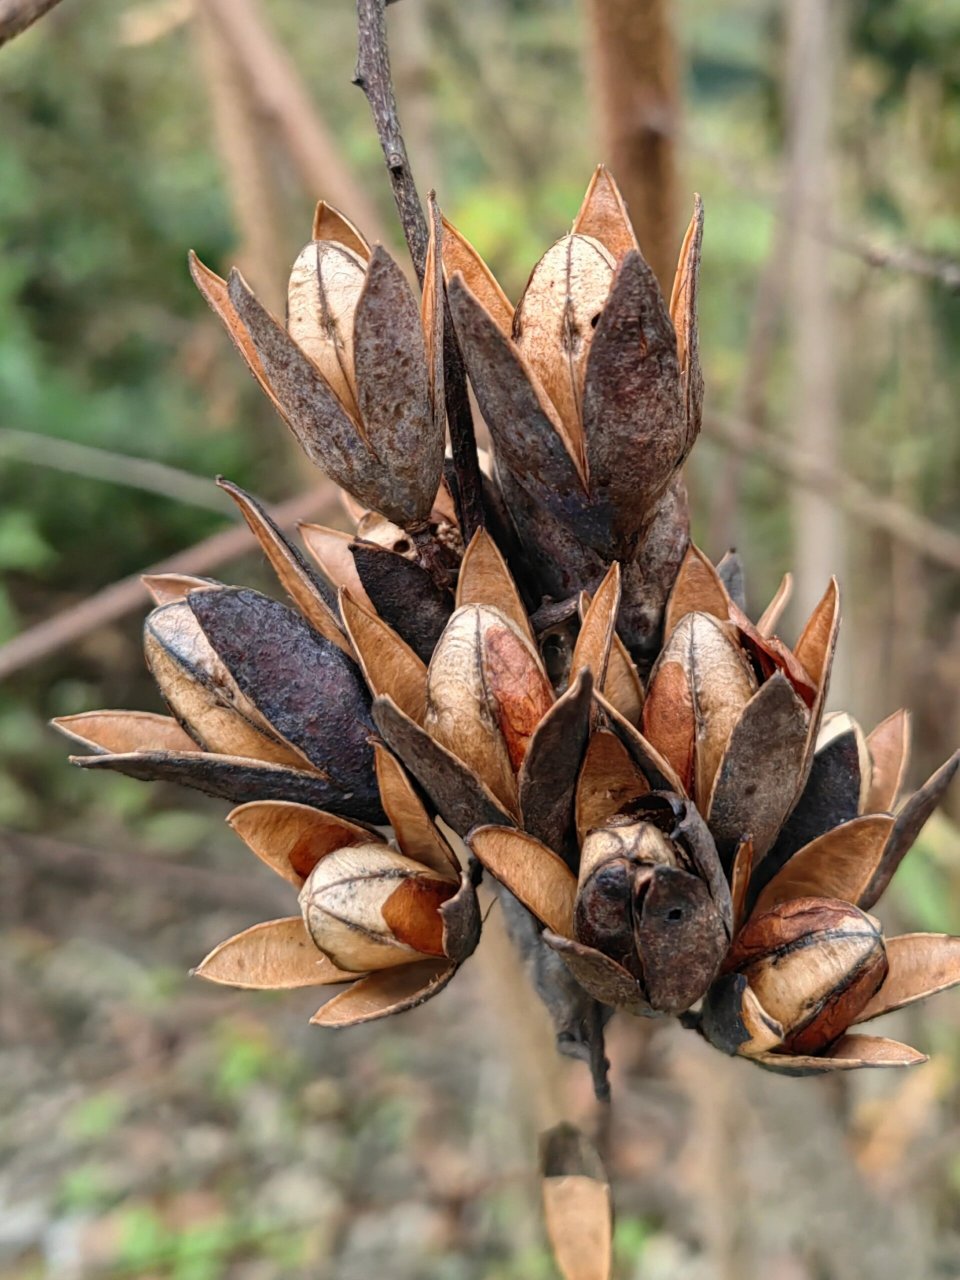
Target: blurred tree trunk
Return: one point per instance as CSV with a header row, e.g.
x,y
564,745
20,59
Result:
x,y
244,151
818,525
635,86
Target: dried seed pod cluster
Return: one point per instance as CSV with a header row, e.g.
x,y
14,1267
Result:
x,y
708,846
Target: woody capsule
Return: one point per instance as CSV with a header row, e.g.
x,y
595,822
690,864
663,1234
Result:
x,y
391,924
592,391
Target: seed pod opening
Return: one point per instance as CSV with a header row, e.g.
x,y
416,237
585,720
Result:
x,y
367,907
486,694
813,964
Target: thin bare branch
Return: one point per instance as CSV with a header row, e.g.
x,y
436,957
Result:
x,y
17,15
928,539
74,861
113,468
373,77
120,598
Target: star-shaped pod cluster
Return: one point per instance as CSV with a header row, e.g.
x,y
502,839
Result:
x,y
574,699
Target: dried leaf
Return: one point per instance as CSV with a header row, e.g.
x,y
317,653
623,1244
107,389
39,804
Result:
x,y
910,821
816,645
697,589
577,1205
683,313
384,993
330,548
604,216
831,797
404,595
849,1054
730,573
485,579
657,770
609,779
389,664
602,977
416,832
622,686
274,956
839,864
598,621
461,798
741,873
533,873
889,747
461,921
432,316
555,321
120,732
292,838
217,296
330,224
633,418
670,719
310,594
770,617
548,776
238,780
760,772
920,965
306,687
167,588
393,393
325,431
459,256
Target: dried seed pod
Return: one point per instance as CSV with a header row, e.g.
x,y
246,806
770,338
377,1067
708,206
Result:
x,y
698,689
367,907
811,966
203,696
349,374
556,319
486,694
642,903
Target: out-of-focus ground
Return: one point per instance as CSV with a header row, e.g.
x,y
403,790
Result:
x,y
156,1128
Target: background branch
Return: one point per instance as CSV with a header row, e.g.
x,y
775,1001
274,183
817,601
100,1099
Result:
x,y
17,15
121,598
112,468
931,540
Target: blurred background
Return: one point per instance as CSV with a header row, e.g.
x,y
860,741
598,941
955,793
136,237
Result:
x,y
153,1128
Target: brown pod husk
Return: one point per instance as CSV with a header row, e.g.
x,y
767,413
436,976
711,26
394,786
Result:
x,y
577,1204
813,964
404,595
306,687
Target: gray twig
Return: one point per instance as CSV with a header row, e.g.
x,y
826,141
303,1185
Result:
x,y
113,468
